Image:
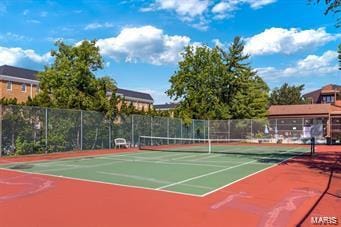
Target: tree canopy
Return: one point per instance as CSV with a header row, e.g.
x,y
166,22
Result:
x,y
70,81
287,95
212,83
332,6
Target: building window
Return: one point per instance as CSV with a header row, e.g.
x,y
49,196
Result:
x,y
23,87
328,99
9,85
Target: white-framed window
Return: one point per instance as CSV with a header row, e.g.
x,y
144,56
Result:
x,y
328,99
23,87
9,86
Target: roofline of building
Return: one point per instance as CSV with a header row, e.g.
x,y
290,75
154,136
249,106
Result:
x,y
129,98
18,79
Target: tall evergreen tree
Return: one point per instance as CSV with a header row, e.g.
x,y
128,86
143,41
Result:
x,y
246,92
218,84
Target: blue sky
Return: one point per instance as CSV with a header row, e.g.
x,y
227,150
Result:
x,y
289,40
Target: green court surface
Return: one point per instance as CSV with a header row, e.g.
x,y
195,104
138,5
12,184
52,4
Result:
x,y
196,174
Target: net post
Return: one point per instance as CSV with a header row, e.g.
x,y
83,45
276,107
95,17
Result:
x,y
251,129
46,129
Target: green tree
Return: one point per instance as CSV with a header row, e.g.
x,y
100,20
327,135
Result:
x,y
244,90
197,84
287,95
70,81
215,84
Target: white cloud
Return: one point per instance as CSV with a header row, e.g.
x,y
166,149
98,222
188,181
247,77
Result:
x,y
257,4
186,9
13,37
17,55
225,9
93,26
64,39
200,12
287,41
144,44
312,65
218,43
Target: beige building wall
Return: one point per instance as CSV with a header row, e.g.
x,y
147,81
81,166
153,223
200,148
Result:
x,y
16,91
137,105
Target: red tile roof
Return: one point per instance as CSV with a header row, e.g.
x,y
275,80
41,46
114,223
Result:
x,y
304,109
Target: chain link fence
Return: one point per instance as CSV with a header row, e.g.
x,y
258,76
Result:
x,y
30,130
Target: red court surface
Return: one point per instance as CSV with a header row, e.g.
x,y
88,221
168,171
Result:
x,y
280,196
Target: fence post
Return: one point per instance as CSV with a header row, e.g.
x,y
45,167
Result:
x,y
228,129
0,130
132,131
193,122
180,128
109,134
168,130
204,129
251,128
46,131
208,130
81,139
151,126
276,129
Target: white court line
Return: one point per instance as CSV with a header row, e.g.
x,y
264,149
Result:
x,y
240,179
222,170
150,179
84,157
82,167
188,156
135,177
46,160
165,162
204,175
136,187
100,182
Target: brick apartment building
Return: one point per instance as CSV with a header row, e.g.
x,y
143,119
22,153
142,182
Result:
x,y
325,108
140,100
21,83
18,83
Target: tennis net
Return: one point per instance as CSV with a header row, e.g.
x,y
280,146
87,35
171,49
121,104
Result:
x,y
228,146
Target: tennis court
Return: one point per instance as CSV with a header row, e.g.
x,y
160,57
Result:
x,y
196,168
